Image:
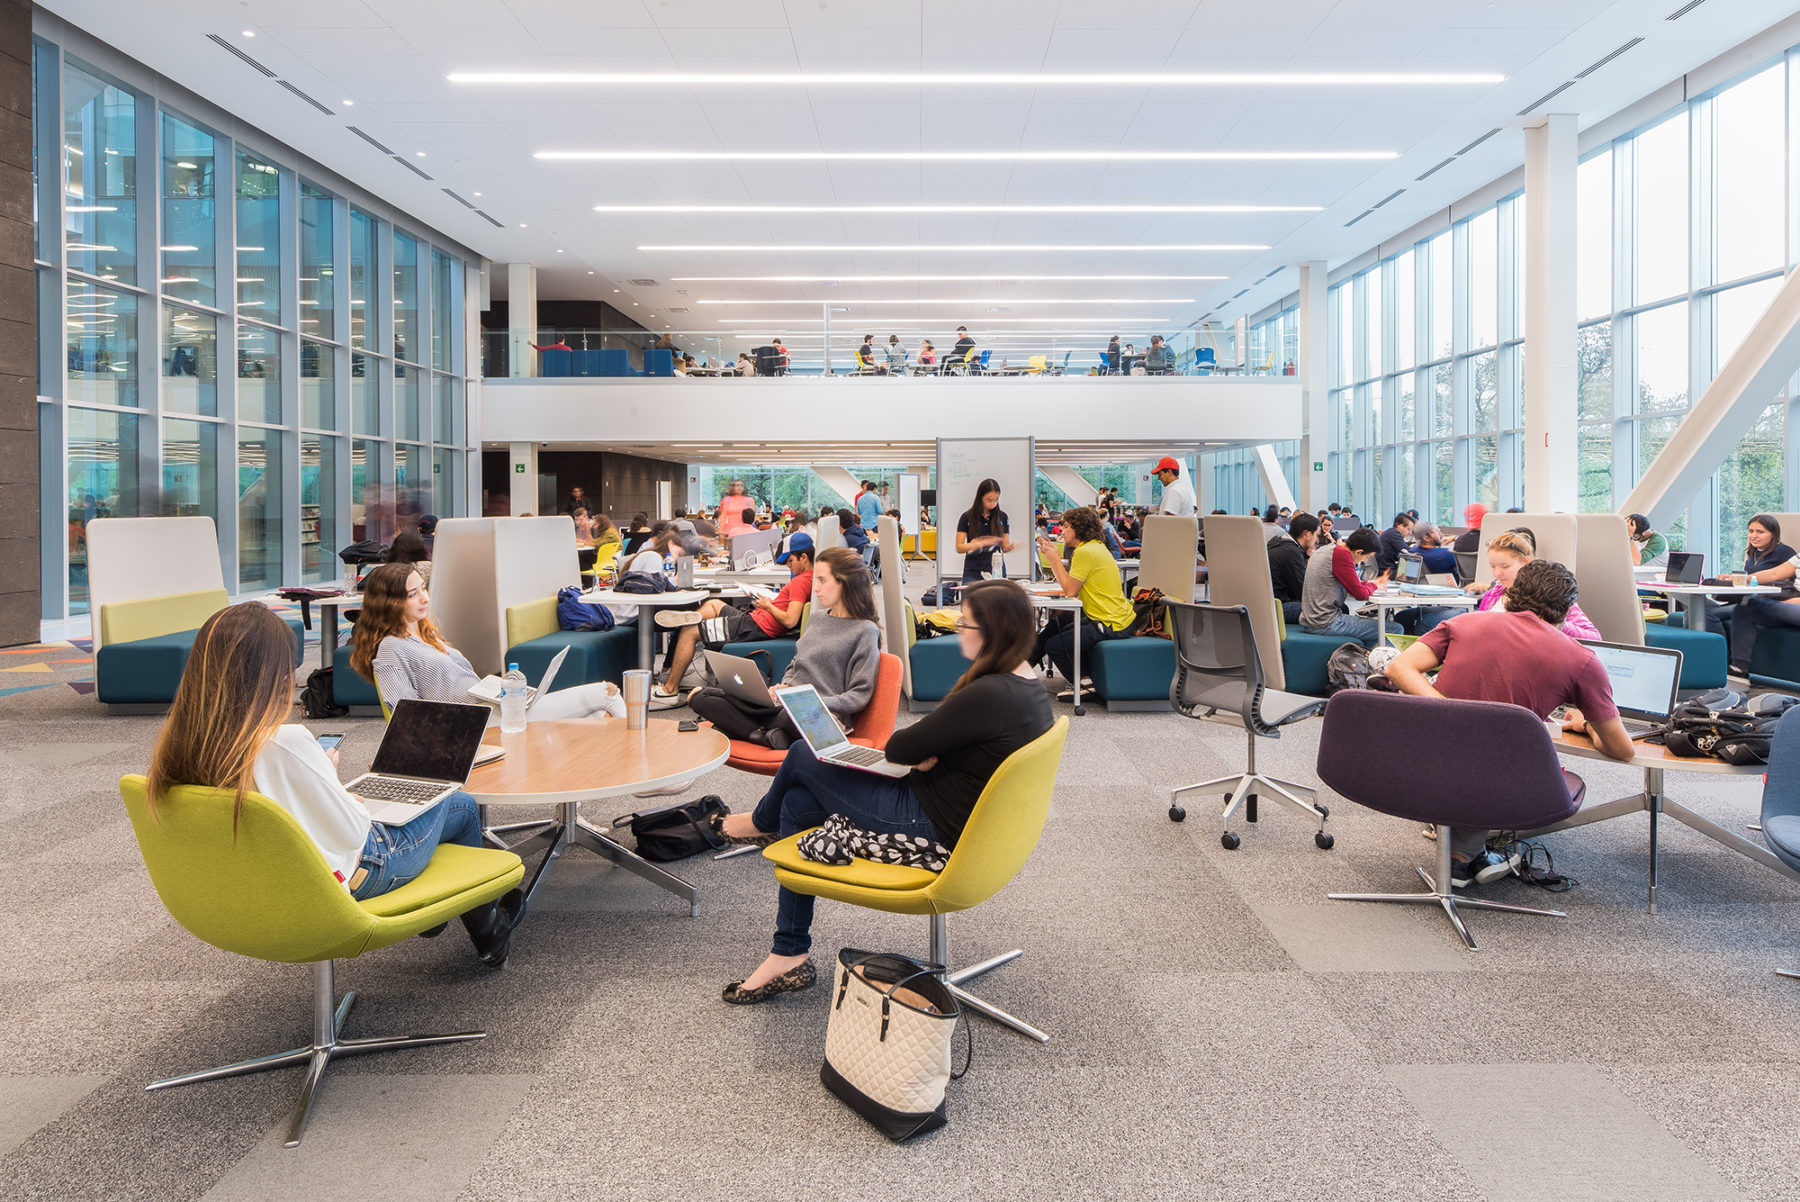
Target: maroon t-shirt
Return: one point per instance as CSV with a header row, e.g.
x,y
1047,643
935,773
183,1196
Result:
x,y
1520,658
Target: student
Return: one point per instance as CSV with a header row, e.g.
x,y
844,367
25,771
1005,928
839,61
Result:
x,y
428,524
1439,560
1112,356
839,654
577,499
1515,655
1393,543
1160,360
746,366
896,355
1470,539
606,539
1327,531
736,508
1178,494
983,527
1647,546
1767,560
996,708
1271,524
226,730
868,505
1093,576
715,623
1507,553
865,355
1330,578
637,533
927,353
850,529
1287,563
397,648
964,344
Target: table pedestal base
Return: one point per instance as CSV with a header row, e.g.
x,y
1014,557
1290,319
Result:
x,y
568,830
1652,801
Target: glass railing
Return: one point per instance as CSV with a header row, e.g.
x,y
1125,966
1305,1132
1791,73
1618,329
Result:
x,y
714,353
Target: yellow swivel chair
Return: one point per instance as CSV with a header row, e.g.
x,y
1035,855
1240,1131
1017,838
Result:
x,y
263,890
1000,835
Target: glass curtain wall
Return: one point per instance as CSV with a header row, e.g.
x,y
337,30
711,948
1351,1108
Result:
x,y
291,443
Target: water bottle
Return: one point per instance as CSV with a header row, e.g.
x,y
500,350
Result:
x,y
512,700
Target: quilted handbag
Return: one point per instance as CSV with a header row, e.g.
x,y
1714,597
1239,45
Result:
x,y
887,1046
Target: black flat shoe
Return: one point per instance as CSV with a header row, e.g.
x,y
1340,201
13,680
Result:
x,y
801,976
491,927
718,826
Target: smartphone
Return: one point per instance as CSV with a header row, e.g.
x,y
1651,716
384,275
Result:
x,y
687,725
330,742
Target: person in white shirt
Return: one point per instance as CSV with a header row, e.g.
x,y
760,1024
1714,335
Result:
x,y
226,731
1178,494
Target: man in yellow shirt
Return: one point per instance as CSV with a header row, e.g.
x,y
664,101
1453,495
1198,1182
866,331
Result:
x,y
1092,575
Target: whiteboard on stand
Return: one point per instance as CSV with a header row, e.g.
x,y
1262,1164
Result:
x,y
962,464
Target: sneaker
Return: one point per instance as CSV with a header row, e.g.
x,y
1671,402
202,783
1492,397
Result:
x,y
1491,866
1462,873
1430,831
675,619
660,700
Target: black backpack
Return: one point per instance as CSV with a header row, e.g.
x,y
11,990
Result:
x,y
317,700
1348,668
1737,734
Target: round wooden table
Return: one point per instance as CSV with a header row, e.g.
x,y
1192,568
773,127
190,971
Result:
x,y
567,762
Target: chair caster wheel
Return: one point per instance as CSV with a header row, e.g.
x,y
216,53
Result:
x,y
1229,841
1177,814
1080,711
1324,841
1324,811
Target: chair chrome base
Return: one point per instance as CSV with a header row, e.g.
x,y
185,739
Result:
x,y
327,1044
570,830
940,954
1244,788
1789,973
1445,896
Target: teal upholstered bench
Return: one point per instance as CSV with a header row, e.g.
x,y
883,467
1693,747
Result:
x,y
534,638
349,689
145,645
1775,663
1703,656
780,653
1303,659
1132,674
937,664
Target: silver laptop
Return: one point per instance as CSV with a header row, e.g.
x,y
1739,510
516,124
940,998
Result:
x,y
1646,682
827,738
488,687
739,678
425,756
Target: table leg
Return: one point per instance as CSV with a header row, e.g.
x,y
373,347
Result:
x,y
328,622
1696,612
1079,708
587,835
645,620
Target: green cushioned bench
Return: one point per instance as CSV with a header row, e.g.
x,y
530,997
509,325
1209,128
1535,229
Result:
x,y
533,638
145,644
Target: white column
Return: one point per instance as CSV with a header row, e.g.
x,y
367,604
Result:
x,y
522,470
1274,480
1315,386
521,322
1551,485
1073,483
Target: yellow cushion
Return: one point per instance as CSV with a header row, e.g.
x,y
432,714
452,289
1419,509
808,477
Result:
x,y
532,620
453,871
153,617
865,874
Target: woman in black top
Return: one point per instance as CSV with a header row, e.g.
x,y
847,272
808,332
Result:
x,y
997,707
981,529
1767,560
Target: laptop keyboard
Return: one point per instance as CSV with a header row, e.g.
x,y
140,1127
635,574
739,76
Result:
x,y
389,788
857,754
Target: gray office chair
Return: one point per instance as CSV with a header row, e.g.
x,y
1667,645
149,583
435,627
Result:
x,y
1781,800
1466,563
1217,668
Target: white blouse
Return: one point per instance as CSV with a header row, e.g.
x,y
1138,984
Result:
x,y
294,772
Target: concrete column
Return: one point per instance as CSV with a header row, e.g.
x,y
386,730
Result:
x,y
1551,485
1274,480
1073,483
522,467
1315,387
521,323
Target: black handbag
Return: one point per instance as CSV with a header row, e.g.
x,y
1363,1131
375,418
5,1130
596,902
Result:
x,y
676,832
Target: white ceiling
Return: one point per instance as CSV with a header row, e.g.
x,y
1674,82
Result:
x,y
392,58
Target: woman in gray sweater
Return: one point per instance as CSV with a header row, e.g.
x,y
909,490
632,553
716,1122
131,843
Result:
x,y
839,654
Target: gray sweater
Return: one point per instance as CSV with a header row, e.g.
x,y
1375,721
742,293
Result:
x,y
839,657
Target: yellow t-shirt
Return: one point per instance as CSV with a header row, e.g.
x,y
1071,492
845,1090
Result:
x,y
1102,589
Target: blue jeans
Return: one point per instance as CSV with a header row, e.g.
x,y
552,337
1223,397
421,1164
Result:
x,y
803,793
1750,616
394,855
1360,630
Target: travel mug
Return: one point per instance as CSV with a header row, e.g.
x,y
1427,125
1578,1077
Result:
x,y
636,690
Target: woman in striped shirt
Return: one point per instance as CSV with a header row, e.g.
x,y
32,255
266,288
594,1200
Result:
x,y
399,650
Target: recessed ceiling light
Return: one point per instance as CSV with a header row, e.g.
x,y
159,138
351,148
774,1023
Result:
x,y
249,33
1083,208
522,225
961,247
1103,319
559,250
1131,79
834,281
185,165
615,289
590,273
963,300
478,194
966,156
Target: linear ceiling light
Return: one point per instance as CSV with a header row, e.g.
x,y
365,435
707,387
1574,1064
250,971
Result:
x,y
959,246
988,322
964,156
1130,79
918,279
1086,208
961,300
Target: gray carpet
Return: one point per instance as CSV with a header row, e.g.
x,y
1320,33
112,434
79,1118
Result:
x,y
1221,1030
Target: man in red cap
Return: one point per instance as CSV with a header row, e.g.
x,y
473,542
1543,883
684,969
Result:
x,y
1178,494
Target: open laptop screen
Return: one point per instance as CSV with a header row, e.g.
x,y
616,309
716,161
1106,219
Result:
x,y
1644,679
436,740
808,711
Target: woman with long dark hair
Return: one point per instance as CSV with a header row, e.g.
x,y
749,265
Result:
x,y
982,528
399,650
839,654
227,729
997,707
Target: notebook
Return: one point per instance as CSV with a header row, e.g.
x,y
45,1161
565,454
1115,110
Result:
x,y
826,738
425,755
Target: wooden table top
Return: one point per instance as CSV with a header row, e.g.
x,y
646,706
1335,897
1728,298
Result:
x,y
580,759
1655,755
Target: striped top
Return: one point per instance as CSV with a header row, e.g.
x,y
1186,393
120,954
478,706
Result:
x,y
408,666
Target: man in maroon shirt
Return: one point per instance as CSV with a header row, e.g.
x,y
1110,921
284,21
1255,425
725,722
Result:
x,y
1517,655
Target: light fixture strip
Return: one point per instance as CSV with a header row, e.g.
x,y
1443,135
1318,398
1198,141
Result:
x,y
966,208
962,300
965,156
959,248
924,279
921,79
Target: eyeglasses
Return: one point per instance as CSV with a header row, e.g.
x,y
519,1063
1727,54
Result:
x,y
962,625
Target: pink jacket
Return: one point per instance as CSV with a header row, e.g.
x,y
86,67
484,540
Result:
x,y
1576,625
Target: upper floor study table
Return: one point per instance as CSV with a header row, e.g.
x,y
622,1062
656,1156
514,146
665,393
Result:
x,y
1656,760
648,604
565,763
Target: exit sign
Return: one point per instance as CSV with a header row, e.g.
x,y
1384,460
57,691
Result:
x,y
519,468
1318,465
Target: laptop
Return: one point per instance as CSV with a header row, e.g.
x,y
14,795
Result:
x,y
1645,683
1410,577
425,755
739,678
827,740
1684,567
488,687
